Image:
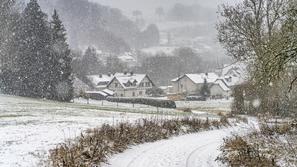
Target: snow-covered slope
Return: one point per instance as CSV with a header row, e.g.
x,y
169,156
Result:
x,y
30,127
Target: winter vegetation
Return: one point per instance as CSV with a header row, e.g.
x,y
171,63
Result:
x,y
267,44
274,144
180,83
263,34
96,145
35,57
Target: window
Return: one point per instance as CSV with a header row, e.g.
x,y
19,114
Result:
x,y
147,84
141,85
116,85
133,94
140,93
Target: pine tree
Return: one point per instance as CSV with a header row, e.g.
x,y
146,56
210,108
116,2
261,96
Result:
x,y
204,91
33,52
9,18
90,62
61,87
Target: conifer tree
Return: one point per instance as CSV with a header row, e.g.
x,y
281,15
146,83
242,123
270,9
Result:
x,y
90,62
7,18
204,91
33,52
61,74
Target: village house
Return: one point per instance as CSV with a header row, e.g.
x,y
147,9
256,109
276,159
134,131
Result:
x,y
190,84
234,74
123,84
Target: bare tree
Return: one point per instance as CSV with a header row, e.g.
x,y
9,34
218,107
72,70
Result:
x,y
262,33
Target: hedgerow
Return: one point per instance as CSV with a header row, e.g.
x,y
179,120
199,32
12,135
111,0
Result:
x,y
146,101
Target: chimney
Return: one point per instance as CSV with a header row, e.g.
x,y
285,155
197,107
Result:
x,y
100,75
109,74
125,73
131,73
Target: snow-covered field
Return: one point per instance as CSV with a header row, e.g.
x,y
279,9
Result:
x,y
29,128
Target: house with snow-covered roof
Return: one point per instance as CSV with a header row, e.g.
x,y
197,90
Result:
x,y
122,84
191,84
234,74
100,81
130,84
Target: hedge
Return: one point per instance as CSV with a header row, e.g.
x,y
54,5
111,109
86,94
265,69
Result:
x,y
146,101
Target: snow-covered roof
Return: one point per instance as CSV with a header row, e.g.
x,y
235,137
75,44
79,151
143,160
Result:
x,y
97,92
234,74
200,78
125,79
233,80
109,92
100,80
235,69
127,57
222,84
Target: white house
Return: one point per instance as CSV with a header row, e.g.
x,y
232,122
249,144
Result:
x,y
234,74
130,84
219,89
123,84
191,84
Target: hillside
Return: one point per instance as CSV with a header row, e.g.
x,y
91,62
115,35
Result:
x,y
106,28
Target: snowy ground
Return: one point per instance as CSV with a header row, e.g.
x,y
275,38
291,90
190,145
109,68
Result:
x,y
29,128
193,150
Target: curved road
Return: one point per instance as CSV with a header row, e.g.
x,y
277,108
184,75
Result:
x,y
193,150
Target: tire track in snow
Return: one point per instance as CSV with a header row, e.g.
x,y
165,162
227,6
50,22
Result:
x,y
195,151
192,150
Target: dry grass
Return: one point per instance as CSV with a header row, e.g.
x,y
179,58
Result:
x,y
273,145
96,145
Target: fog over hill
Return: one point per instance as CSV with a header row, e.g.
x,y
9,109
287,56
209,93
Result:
x,y
147,5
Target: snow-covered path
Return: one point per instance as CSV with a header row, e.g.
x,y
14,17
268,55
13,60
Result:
x,y
193,150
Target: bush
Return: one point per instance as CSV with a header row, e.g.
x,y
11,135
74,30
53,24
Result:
x,y
271,145
146,101
238,152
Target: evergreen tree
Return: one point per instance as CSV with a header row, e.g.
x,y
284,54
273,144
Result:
x,y
61,80
33,52
9,18
90,63
114,64
204,91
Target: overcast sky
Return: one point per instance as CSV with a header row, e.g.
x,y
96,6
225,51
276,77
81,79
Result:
x,y
149,6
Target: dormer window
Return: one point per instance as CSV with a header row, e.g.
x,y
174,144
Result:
x,y
147,84
134,83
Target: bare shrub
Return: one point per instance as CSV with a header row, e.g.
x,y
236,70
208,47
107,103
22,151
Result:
x,y
270,146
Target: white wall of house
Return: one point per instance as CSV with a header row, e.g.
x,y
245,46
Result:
x,y
138,91
216,90
185,85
